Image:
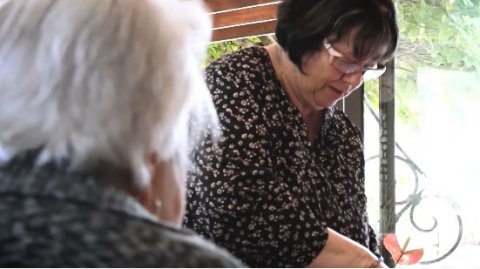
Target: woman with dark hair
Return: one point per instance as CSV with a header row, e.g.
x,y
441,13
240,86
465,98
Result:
x,y
285,185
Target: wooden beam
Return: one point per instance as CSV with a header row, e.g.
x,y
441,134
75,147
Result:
x,y
245,16
233,19
221,5
256,29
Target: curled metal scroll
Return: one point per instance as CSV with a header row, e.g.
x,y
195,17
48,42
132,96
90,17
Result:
x,y
417,196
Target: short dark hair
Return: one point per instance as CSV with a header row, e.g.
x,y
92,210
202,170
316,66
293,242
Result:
x,y
304,24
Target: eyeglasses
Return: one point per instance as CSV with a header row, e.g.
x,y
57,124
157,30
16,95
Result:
x,y
342,64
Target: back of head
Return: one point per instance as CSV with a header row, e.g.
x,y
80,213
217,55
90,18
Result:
x,y
304,24
101,81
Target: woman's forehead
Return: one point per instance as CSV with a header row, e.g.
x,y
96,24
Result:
x,y
360,50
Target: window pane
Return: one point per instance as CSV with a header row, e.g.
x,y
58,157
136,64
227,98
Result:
x,y
436,130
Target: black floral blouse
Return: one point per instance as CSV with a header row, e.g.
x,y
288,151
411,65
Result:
x,y
264,191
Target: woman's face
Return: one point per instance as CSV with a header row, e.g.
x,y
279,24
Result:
x,y
323,84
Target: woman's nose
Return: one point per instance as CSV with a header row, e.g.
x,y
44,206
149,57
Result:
x,y
354,79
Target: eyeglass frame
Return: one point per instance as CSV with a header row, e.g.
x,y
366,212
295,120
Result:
x,y
367,72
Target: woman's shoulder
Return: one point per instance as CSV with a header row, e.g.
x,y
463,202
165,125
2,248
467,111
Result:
x,y
245,74
252,59
104,237
81,212
203,253
171,246
186,249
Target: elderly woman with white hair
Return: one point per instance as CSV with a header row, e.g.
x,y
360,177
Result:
x,y
97,101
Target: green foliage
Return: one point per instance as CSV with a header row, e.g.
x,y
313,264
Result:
x,y
216,50
443,34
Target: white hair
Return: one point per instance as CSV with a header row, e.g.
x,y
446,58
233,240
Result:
x,y
102,80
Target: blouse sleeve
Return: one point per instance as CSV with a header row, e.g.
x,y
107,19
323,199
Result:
x,y
236,199
373,246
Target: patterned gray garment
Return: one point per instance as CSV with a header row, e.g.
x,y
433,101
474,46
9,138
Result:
x,y
52,217
265,192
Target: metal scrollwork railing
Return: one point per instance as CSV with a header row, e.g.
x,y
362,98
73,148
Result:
x,y
417,196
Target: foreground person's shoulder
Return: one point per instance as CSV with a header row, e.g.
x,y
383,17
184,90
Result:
x,y
193,250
